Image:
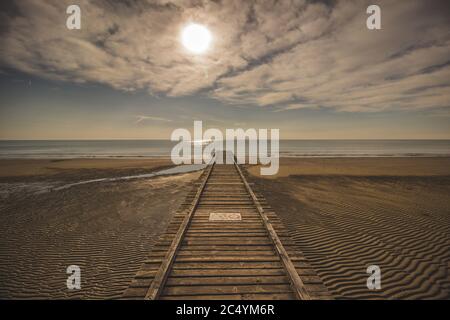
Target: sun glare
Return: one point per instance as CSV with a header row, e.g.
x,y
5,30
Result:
x,y
196,38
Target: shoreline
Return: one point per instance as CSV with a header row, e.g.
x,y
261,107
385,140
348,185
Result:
x,y
69,169
284,155
343,213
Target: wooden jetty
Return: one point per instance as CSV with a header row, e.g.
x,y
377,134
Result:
x,y
225,243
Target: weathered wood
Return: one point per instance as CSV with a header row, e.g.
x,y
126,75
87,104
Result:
x,y
253,296
296,281
237,289
226,253
201,280
226,280
157,284
237,258
251,258
215,272
227,265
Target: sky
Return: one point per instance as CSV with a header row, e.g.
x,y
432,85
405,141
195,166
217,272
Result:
x,y
309,68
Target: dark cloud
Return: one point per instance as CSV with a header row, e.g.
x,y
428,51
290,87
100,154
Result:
x,y
289,54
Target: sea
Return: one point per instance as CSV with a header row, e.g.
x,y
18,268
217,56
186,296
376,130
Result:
x,y
61,149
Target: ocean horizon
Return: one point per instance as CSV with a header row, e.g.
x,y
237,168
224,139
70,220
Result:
x,y
66,149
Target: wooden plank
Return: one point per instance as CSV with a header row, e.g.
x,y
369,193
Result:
x,y
144,282
219,237
211,247
296,281
221,272
225,233
227,265
157,284
224,280
228,242
228,252
228,272
252,296
235,258
225,259
222,289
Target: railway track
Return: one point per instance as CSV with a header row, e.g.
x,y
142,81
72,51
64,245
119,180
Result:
x,y
225,243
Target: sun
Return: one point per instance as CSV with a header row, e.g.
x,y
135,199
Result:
x,y
196,38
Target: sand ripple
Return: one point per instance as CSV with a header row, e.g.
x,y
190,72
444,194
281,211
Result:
x,y
344,224
107,229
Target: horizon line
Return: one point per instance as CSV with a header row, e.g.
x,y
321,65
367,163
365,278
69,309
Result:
x,y
289,139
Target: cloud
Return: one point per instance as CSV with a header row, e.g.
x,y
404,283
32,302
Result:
x,y
295,106
145,118
290,53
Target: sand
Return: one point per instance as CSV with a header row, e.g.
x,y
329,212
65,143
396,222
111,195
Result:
x,y
344,214
65,169
347,214
106,228
438,166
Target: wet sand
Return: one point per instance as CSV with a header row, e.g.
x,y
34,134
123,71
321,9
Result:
x,y
344,214
347,214
75,169
106,228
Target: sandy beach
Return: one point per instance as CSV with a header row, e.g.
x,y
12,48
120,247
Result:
x,y
106,228
346,214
